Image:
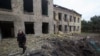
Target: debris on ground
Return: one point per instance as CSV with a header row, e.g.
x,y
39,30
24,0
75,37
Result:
x,y
52,45
65,47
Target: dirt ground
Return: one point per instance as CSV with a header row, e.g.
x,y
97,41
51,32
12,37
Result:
x,y
9,47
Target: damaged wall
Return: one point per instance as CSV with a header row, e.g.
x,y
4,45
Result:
x,y
73,19
19,17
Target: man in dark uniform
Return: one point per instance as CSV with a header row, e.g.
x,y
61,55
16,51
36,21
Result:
x,y
21,39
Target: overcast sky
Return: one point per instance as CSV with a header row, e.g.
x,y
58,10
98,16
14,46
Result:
x,y
87,8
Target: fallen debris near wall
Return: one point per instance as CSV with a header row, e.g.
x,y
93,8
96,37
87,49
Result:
x,y
65,47
52,45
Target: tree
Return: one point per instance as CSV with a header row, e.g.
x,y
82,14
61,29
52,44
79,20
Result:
x,y
84,26
95,23
91,26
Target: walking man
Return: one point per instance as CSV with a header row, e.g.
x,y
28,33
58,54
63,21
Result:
x,y
21,39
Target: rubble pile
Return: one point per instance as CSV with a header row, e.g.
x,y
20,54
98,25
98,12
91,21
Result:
x,y
50,45
65,47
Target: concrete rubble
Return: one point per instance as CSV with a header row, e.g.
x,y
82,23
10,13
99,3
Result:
x,y
51,45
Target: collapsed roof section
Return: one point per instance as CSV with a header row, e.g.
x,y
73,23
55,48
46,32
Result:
x,y
57,6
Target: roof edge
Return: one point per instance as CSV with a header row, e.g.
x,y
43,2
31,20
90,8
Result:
x,y
67,9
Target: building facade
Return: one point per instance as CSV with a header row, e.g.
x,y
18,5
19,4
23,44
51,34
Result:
x,y
31,16
66,20
36,17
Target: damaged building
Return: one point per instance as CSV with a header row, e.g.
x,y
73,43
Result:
x,y
35,17
32,16
66,20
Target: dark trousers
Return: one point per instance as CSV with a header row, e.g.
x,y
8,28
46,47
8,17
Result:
x,y
22,45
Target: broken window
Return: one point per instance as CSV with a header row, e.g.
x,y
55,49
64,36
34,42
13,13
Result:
x,y
29,27
7,29
74,28
60,27
65,28
54,15
45,28
78,28
74,19
70,18
78,19
54,28
44,7
70,28
28,5
59,16
5,4
65,17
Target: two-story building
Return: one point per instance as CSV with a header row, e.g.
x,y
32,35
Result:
x,y
36,17
66,20
31,16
